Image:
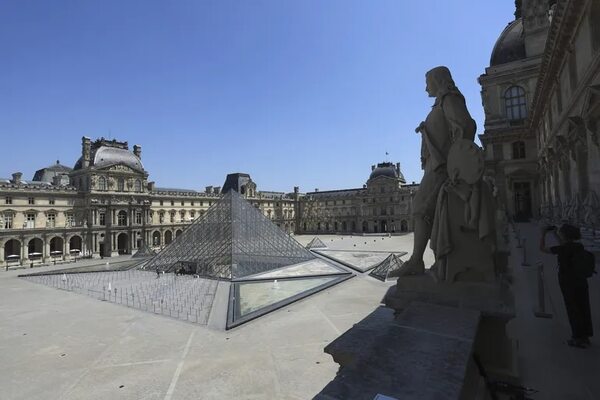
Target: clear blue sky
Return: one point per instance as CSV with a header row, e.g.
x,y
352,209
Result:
x,y
304,92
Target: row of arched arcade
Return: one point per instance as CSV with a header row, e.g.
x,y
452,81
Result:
x,y
40,249
162,238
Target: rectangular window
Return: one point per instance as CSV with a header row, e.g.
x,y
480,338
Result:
x,y
8,200
182,216
8,221
172,202
138,218
30,223
51,220
102,219
192,204
161,203
51,202
172,217
31,200
161,218
183,203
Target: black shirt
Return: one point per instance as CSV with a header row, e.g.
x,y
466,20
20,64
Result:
x,y
565,256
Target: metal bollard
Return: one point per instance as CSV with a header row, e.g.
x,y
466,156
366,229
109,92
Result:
x,y
540,310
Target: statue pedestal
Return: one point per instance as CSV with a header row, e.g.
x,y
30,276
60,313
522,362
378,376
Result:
x,y
424,353
493,300
422,347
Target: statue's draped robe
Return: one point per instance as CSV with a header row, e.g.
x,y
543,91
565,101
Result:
x,y
449,120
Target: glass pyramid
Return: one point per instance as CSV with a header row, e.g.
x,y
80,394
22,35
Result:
x,y
387,268
232,240
316,243
144,251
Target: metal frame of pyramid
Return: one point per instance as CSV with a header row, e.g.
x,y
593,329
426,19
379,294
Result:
x,y
232,240
387,267
316,243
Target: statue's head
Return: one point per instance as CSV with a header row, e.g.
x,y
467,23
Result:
x,y
439,82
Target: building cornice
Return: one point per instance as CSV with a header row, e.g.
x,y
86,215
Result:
x,y
558,42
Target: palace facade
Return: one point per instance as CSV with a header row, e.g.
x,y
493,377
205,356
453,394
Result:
x,y
382,205
105,205
541,96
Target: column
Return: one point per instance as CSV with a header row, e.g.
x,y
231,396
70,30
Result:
x,y
64,249
23,246
45,248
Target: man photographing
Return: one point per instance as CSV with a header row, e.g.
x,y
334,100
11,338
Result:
x,y
573,270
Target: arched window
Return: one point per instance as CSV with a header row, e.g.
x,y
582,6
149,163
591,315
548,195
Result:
x,y
102,183
518,150
121,185
516,106
138,185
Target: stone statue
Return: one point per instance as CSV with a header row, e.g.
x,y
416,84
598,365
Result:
x,y
452,183
448,119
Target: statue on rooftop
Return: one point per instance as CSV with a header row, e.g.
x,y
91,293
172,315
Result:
x,y
452,183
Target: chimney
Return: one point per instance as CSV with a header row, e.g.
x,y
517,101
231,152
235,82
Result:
x,y
316,189
372,167
398,167
86,151
296,189
150,186
364,186
16,178
137,150
217,190
208,189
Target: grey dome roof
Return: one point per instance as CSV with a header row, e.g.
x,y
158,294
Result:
x,y
105,156
384,170
47,174
510,46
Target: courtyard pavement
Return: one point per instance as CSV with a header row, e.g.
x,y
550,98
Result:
x,y
56,344
61,345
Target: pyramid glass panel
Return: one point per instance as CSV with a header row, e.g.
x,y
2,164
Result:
x,y
361,261
251,299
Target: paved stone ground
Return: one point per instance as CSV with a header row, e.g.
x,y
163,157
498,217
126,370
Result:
x,y
56,344
62,345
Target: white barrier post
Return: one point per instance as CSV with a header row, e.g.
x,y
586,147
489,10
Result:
x,y
540,311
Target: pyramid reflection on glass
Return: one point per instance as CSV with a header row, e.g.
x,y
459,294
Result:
x,y
232,240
